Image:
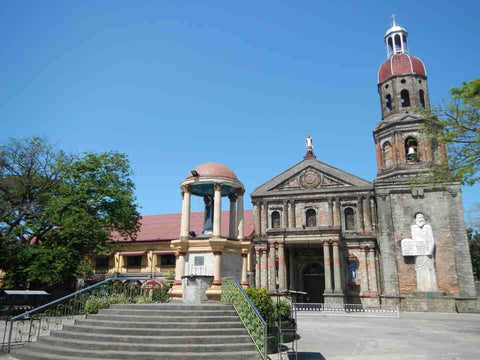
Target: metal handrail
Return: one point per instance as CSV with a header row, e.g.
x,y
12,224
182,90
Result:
x,y
260,317
57,301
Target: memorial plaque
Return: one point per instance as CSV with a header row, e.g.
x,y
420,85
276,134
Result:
x,y
413,248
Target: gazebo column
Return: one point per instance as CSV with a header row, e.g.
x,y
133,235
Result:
x,y
326,265
217,212
185,221
272,279
217,265
336,269
179,267
282,272
233,217
240,230
244,281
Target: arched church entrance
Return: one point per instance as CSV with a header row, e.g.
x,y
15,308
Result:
x,y
313,277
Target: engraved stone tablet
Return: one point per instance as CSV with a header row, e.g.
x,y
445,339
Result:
x,y
413,248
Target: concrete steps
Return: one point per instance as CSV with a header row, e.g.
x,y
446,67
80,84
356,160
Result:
x,y
148,332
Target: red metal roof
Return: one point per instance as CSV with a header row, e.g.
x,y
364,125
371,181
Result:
x,y
401,64
167,226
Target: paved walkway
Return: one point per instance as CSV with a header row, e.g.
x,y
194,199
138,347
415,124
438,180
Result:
x,y
415,336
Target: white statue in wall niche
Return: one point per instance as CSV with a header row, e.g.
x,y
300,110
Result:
x,y
422,246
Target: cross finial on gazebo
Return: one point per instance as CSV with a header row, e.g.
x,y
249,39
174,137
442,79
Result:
x,y
393,20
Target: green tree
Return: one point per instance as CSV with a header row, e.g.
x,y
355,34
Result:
x,y
473,233
456,124
57,210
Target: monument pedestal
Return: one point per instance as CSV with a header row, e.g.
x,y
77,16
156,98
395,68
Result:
x,y
435,301
194,288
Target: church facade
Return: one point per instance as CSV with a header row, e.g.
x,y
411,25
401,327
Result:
x,y
342,239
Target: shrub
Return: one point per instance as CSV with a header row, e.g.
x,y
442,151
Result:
x,y
94,304
160,295
282,310
263,303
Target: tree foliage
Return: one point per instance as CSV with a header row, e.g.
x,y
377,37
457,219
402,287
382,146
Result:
x,y
456,124
473,233
56,210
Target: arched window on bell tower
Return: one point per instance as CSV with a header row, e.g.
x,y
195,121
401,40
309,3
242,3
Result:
x,y
405,98
421,95
411,146
388,102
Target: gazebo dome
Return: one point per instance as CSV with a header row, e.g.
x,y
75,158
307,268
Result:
x,y
401,64
212,170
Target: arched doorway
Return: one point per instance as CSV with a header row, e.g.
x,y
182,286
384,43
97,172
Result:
x,y
313,277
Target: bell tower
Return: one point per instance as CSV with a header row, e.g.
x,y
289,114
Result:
x,y
402,88
404,154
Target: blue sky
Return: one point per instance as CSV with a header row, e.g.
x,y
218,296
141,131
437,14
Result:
x,y
174,84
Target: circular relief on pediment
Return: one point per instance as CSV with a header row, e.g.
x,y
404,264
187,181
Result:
x,y
311,179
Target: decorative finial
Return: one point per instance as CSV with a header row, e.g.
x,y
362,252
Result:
x,y
309,146
393,20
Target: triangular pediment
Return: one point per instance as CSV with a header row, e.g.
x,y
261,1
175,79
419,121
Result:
x,y
310,175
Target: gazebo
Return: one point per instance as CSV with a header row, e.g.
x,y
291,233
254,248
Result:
x,y
210,253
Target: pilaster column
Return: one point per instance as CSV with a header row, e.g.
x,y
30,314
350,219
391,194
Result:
x,y
179,267
326,265
240,226
257,268
336,215
232,233
285,215
185,220
263,269
272,278
282,271
256,218
373,214
244,281
291,214
217,266
291,267
336,269
366,214
217,212
364,260
330,212
359,215
264,218
372,272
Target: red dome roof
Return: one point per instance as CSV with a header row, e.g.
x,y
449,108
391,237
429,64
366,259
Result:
x,y
401,64
214,170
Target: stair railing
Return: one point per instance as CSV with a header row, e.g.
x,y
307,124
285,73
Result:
x,y
29,325
233,293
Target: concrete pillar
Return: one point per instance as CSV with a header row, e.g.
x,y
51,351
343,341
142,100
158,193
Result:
x,y
257,269
185,220
291,214
179,267
232,233
272,277
217,266
291,267
330,212
263,269
336,269
372,272
282,271
217,210
240,226
244,281
326,266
